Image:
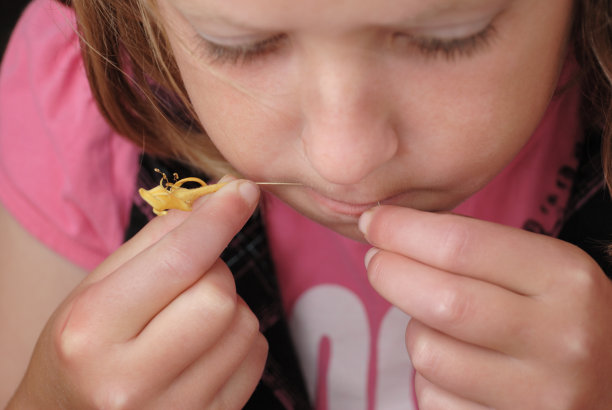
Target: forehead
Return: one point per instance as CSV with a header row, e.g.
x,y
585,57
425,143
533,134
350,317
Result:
x,y
284,14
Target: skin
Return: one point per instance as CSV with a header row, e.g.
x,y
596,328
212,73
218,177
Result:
x,y
359,115
131,335
349,107
502,318
355,112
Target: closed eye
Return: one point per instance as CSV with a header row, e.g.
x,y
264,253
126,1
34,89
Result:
x,y
451,48
429,46
241,53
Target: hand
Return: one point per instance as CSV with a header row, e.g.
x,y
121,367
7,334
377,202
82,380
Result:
x,y
158,324
501,318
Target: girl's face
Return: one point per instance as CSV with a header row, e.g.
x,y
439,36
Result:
x,y
406,102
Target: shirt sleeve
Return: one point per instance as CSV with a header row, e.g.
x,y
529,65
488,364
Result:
x,y
66,176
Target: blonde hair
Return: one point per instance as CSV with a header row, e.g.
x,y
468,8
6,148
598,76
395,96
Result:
x,y
138,87
137,84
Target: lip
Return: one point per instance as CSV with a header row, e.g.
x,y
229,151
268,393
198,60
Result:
x,y
339,207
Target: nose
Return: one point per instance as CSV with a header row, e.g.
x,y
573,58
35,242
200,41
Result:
x,y
348,129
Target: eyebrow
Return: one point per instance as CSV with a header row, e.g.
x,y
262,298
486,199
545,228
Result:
x,y
455,5
200,14
431,11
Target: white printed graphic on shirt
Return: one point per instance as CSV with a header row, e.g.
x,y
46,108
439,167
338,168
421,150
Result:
x,y
335,313
394,377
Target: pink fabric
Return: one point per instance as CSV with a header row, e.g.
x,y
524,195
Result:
x,y
66,176
535,186
324,268
325,290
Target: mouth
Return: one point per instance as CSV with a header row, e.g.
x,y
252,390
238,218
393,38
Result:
x,y
350,209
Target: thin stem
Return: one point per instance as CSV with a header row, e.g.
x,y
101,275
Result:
x,y
279,183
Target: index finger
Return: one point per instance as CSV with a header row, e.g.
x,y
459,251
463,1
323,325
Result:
x,y
517,260
122,303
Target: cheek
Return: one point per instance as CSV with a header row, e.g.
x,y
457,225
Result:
x,y
243,122
477,116
247,128
252,136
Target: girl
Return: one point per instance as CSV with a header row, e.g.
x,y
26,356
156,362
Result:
x,y
421,137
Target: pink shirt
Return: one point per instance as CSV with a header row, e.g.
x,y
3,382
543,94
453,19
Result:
x,y
66,176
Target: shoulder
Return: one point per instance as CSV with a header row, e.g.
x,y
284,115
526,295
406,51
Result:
x,y
67,177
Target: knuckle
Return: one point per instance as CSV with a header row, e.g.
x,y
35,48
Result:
x,y
582,276
258,352
248,323
452,307
214,296
117,396
586,280
72,346
217,299
427,397
376,269
454,244
262,347
562,395
577,345
422,355
229,206
173,259
75,342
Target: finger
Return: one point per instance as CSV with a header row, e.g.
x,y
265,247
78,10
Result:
x,y
120,305
207,375
241,385
196,320
471,310
151,233
474,373
432,397
147,236
499,254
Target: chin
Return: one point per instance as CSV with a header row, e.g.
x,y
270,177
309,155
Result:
x,y
350,231
344,225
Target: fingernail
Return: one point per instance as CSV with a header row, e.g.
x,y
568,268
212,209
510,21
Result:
x,y
369,255
364,221
226,179
249,191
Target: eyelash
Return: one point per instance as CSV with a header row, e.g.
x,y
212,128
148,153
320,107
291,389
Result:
x,y
455,47
427,46
240,54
